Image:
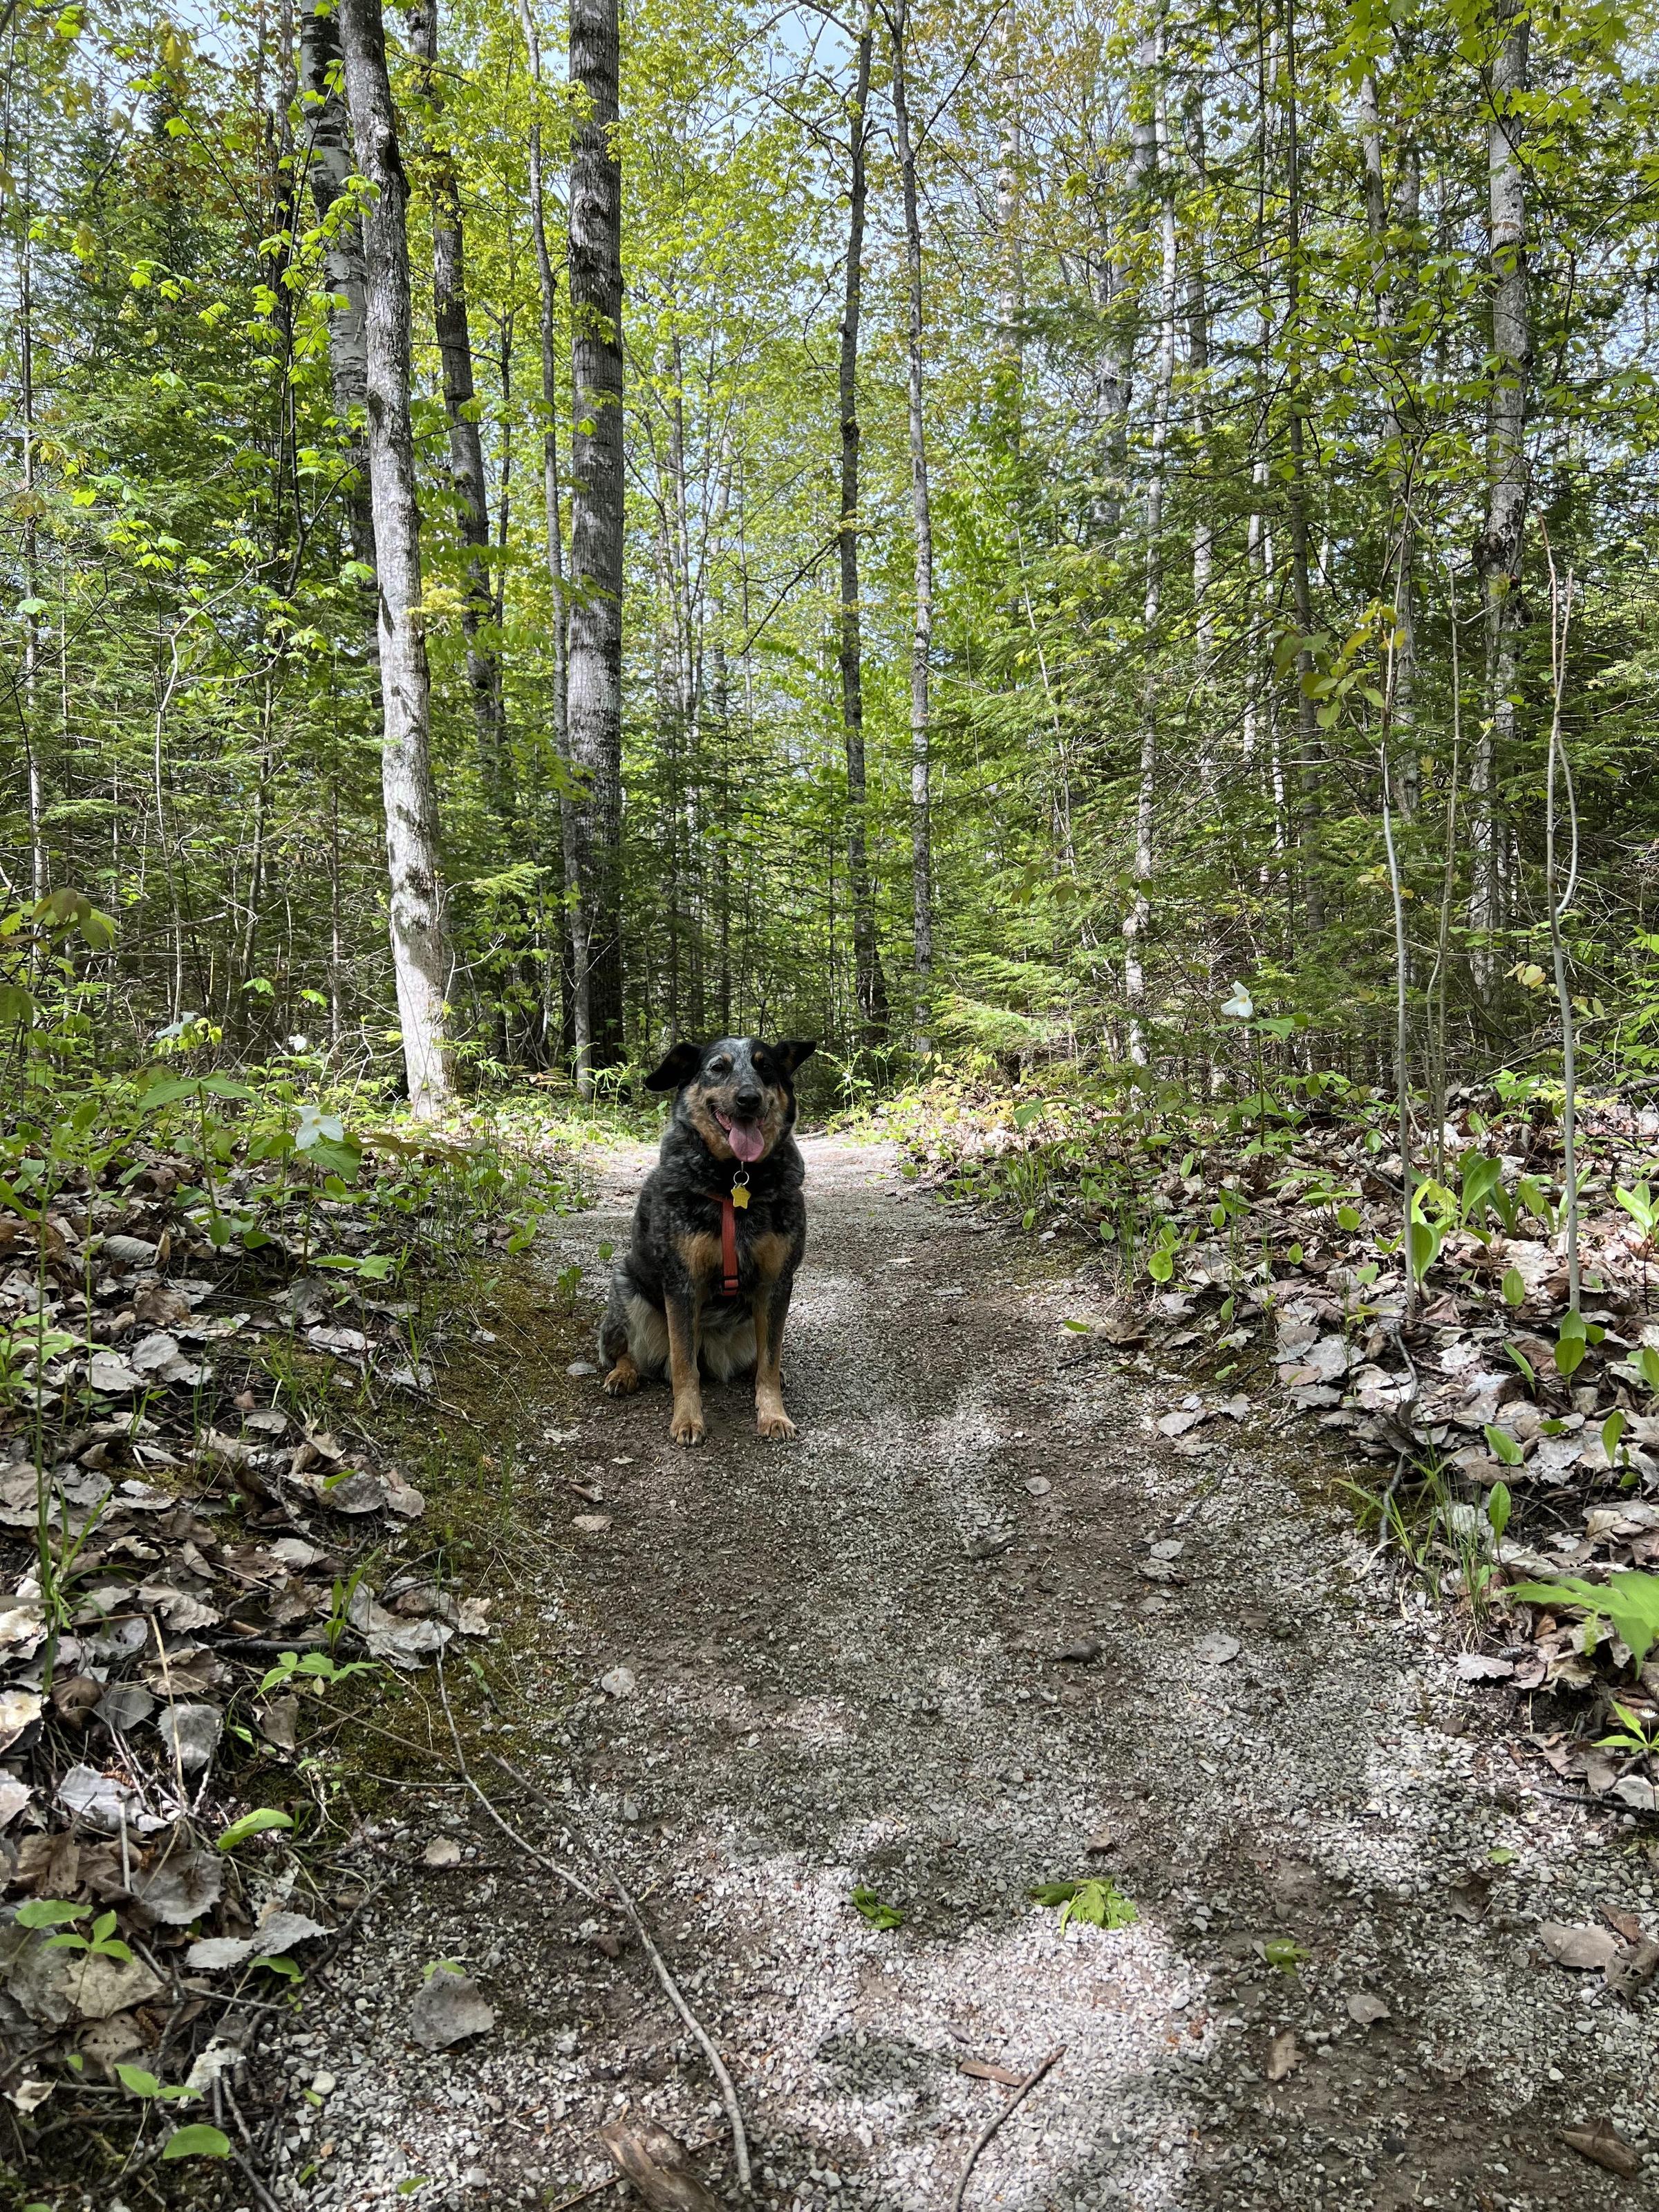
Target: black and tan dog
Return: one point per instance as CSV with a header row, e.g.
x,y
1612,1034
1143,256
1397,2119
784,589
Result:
x,y
717,1234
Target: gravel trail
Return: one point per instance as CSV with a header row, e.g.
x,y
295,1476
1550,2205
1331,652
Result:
x,y
847,1671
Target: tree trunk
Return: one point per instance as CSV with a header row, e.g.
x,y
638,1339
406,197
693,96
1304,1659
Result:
x,y
596,530
1134,923
1498,554
1310,765
922,646
576,1027
869,984
1401,556
327,135
467,465
419,949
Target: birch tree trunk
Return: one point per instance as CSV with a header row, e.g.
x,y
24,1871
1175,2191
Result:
x,y
869,984
327,138
467,465
1135,921
1310,765
1498,554
1402,553
577,1028
921,645
420,949
596,520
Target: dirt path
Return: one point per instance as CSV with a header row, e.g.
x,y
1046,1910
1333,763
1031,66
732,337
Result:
x,y
846,1670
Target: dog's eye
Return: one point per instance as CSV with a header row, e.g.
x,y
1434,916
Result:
x,y
720,1067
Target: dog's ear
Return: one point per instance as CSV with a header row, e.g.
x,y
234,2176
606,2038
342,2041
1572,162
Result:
x,y
790,1054
681,1064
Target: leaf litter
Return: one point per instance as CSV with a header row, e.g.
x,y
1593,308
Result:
x,y
195,1534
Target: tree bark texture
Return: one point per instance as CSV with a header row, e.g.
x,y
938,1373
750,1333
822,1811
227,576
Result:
x,y
922,643
466,465
1498,555
419,949
576,1027
869,983
1135,921
596,530
326,139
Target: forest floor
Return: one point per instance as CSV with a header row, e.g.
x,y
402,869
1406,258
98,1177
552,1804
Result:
x,y
836,1664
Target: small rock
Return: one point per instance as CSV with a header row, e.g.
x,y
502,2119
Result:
x,y
1038,1485
441,1851
591,1524
1590,1950
580,1368
618,1683
1216,1649
1084,1653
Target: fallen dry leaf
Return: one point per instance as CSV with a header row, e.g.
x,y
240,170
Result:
x,y
984,2069
658,2166
1601,2144
1587,1950
1283,2055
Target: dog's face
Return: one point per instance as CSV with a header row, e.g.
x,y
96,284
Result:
x,y
737,1093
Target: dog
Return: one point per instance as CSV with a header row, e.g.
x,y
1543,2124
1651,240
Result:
x,y
717,1234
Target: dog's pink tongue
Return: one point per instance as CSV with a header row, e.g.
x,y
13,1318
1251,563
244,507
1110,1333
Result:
x,y
746,1140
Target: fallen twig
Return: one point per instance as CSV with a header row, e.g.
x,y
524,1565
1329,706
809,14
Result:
x,y
728,2091
550,1866
997,2119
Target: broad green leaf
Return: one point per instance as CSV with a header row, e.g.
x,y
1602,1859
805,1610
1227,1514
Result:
x,y
1628,1602
253,1823
140,2083
49,1912
870,1909
198,2141
1503,1446
1514,1287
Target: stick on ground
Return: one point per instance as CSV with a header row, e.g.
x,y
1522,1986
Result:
x,y
717,2065
997,2119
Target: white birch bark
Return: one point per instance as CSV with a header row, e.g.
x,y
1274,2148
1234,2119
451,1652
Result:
x,y
419,949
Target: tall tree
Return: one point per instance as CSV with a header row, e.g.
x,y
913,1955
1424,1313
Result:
x,y
452,330
870,983
420,946
1498,554
922,634
596,524
326,141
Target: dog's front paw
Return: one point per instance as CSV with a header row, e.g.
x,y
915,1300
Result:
x,y
623,1380
687,1425
774,1424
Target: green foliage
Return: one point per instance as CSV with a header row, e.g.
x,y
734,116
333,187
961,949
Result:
x,y
1628,1602
873,1913
1097,1902
257,1823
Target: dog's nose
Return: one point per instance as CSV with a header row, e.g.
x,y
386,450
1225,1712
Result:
x,y
748,1103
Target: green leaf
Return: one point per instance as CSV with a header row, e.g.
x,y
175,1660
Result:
x,y
1160,1266
253,1823
1424,1245
1613,1430
1514,1287
136,2079
1503,1446
1649,1363
1501,1854
1281,1953
49,1912
1628,1602
1569,1354
1498,1506
198,2142
870,1909
1348,1216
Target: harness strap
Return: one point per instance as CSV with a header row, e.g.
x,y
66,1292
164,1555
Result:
x,y
728,1243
